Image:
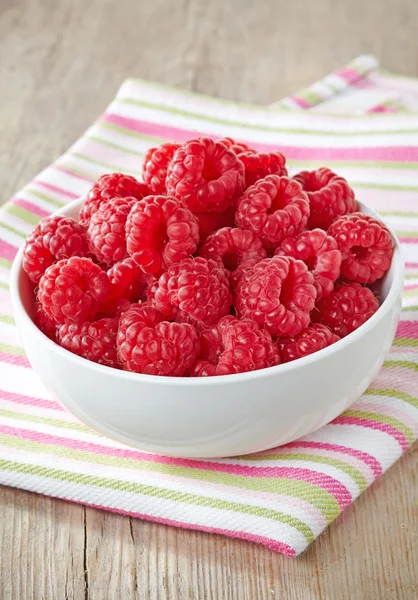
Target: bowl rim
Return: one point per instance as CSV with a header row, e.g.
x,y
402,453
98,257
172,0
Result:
x,y
384,308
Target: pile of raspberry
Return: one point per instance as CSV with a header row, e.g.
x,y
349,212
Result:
x,y
218,262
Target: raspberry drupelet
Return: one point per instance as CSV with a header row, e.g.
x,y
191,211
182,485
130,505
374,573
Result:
x,y
273,208
260,164
237,147
313,338
113,185
278,294
346,308
320,253
94,341
52,239
234,346
329,195
148,344
160,231
195,290
154,168
44,322
71,290
128,280
366,246
205,176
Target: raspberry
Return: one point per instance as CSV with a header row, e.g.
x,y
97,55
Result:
x,y
94,341
237,147
236,248
310,340
128,280
205,176
154,169
44,322
366,246
234,346
346,308
273,208
260,164
113,307
71,290
160,231
210,222
106,230
148,344
329,195
320,253
113,185
195,289
278,294
52,239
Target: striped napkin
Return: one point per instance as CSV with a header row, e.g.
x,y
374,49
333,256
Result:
x,y
360,121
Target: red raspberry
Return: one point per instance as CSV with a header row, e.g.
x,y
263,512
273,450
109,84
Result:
x,y
210,222
278,294
106,230
310,340
128,280
234,346
346,308
113,185
195,289
260,164
71,290
205,176
320,253
148,344
236,248
94,341
113,307
160,231
273,208
237,147
329,195
52,239
154,169
366,246
44,322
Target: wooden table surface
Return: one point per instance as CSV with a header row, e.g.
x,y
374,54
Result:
x,y
61,61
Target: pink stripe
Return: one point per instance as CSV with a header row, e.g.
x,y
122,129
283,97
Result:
x,y
393,153
14,359
326,482
349,75
407,329
412,286
300,101
411,265
370,424
30,401
370,460
408,240
381,108
7,251
269,543
32,208
71,173
387,379
379,405
54,188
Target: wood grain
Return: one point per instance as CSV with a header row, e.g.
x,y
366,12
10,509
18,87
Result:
x,y
60,64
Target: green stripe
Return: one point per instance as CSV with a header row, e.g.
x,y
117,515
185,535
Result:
x,y
7,319
309,95
410,308
46,198
12,349
156,141
354,473
404,341
384,186
367,164
112,167
405,364
4,286
21,213
115,146
392,394
12,230
379,418
148,490
407,234
8,265
411,276
412,215
410,293
47,421
74,171
321,499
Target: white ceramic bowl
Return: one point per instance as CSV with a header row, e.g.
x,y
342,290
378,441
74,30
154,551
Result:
x,y
216,416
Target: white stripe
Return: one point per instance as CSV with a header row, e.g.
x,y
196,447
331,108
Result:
x,y
21,380
409,356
